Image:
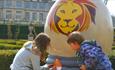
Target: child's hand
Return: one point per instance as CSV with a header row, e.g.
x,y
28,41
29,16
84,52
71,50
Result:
x,y
83,67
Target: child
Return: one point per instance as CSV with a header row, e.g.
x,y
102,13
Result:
x,y
28,57
94,57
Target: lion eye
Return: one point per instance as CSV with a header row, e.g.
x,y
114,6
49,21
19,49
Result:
x,y
62,11
75,10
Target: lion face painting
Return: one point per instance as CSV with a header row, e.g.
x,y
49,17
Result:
x,y
72,15
65,17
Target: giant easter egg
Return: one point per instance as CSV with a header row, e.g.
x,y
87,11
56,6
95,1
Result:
x,y
90,17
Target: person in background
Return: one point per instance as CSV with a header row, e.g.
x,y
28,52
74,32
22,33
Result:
x,y
91,52
28,57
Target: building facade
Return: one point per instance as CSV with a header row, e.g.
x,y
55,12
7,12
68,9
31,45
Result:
x,y
24,11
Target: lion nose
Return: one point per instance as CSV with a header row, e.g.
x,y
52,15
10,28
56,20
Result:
x,y
67,20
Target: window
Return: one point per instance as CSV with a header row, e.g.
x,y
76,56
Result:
x,y
0,14
34,5
27,5
44,0
27,16
26,0
47,6
34,16
1,4
8,4
19,4
8,14
38,0
44,5
18,15
34,0
41,5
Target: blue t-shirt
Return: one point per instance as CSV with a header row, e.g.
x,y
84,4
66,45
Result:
x,y
94,57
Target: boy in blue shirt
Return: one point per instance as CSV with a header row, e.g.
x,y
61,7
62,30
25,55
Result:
x,y
91,52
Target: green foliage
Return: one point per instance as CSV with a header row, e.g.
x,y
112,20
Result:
x,y
112,59
11,41
10,46
7,53
113,48
3,30
8,49
6,58
22,31
112,53
20,42
8,41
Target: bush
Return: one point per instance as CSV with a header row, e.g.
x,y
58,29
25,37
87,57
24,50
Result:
x,y
3,31
23,31
20,42
112,59
113,48
6,58
8,41
11,41
8,49
10,46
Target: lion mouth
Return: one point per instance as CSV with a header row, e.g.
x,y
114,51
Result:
x,y
68,26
